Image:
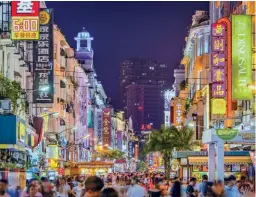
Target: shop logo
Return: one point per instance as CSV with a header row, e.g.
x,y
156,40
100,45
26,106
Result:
x,y
44,18
226,134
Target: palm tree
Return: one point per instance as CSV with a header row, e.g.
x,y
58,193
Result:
x,y
166,140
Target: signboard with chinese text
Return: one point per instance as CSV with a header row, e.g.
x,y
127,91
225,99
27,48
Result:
x,y
99,126
218,29
226,134
241,57
25,20
218,59
106,127
218,44
43,60
130,149
218,74
218,106
179,108
218,90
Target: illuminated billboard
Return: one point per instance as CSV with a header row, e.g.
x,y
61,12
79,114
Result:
x,y
106,127
241,57
25,20
43,60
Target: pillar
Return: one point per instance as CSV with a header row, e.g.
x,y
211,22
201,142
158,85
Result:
x,y
220,160
211,161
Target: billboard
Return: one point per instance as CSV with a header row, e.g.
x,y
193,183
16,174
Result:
x,y
98,130
178,110
106,127
43,69
25,20
241,57
130,149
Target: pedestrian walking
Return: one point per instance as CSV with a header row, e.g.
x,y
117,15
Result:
x,y
136,190
33,192
231,189
190,191
3,186
93,187
203,186
176,188
109,192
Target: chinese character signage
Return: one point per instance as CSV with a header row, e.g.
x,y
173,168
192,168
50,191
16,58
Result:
x,y
218,59
218,74
218,90
25,20
107,127
130,149
218,30
99,127
241,57
178,106
218,106
218,44
226,134
43,60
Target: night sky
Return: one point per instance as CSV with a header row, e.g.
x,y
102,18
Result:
x,y
121,30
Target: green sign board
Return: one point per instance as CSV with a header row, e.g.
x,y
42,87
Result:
x,y
226,134
241,57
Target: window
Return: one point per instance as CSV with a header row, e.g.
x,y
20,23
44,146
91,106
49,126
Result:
x,y
144,74
83,43
198,80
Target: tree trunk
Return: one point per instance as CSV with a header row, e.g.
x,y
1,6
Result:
x,y
167,166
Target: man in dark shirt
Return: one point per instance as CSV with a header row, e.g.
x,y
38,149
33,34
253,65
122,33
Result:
x,y
203,186
190,191
176,188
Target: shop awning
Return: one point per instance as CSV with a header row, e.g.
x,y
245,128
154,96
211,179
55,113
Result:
x,y
227,160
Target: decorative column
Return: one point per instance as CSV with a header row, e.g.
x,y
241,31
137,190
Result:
x,y
211,161
220,160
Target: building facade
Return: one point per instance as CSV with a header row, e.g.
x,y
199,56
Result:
x,y
142,83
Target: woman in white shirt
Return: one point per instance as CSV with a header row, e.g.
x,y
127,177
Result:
x,y
77,191
63,189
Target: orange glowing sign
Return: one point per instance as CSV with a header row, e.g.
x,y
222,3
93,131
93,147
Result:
x,y
178,110
25,28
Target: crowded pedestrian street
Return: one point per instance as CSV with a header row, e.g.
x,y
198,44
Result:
x,y
127,98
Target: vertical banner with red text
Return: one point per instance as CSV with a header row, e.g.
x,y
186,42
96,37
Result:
x,y
25,20
106,127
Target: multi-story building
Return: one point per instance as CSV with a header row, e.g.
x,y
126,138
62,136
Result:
x,y
142,83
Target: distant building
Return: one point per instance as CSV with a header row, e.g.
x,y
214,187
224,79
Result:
x,y
179,75
142,84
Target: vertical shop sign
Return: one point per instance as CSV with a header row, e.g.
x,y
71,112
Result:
x,y
99,127
218,59
43,60
130,149
178,106
241,57
106,127
25,20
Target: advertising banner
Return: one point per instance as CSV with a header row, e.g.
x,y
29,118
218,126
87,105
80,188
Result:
x,y
241,57
178,108
43,60
106,127
119,140
218,90
218,106
25,20
130,149
99,127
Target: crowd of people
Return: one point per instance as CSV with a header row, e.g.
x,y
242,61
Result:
x,y
130,185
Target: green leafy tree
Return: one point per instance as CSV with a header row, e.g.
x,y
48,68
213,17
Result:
x,y
166,140
10,90
142,166
109,154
